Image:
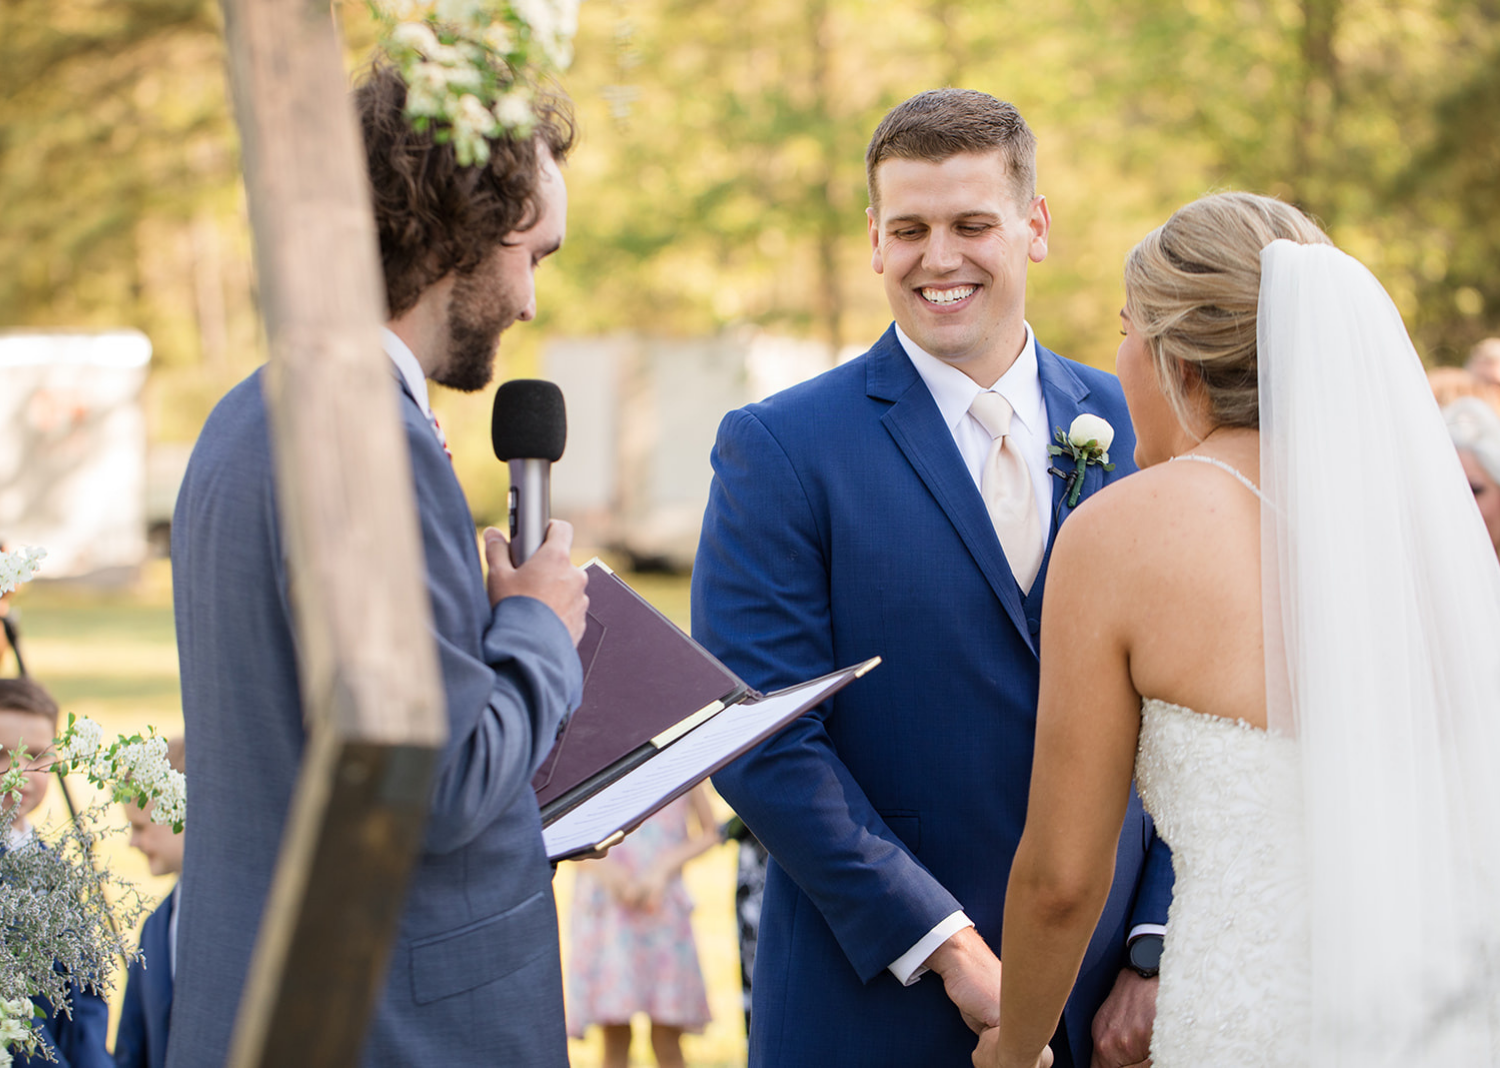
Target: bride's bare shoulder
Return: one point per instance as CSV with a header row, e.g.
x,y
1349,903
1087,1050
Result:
x,y
1156,513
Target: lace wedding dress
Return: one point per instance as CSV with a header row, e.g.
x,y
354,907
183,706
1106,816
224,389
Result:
x,y
1234,970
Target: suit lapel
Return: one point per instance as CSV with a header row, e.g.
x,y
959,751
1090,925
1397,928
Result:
x,y
917,427
1064,394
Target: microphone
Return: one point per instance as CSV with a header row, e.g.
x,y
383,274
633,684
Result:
x,y
529,430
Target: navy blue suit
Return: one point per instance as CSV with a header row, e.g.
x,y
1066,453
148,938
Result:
x,y
474,976
141,1040
76,1040
842,524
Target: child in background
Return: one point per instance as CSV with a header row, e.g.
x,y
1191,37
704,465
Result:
x,y
28,718
632,940
141,1041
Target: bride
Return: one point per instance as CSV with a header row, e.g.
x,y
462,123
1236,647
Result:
x,y
1290,635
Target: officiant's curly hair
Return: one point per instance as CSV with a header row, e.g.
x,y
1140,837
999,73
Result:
x,y
939,124
1192,291
434,216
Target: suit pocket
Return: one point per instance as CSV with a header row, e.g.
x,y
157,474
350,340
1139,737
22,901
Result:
x,y
905,825
478,953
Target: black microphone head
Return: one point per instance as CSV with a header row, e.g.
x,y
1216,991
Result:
x,y
530,422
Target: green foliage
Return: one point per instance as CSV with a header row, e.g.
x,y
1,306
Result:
x,y
719,177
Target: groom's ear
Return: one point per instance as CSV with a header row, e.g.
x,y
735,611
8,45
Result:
x,y
876,261
1039,221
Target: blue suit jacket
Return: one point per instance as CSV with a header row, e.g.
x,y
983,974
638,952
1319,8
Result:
x,y
76,1040
141,1041
843,524
474,973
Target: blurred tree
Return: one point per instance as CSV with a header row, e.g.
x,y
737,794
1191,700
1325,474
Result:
x,y
120,180
719,178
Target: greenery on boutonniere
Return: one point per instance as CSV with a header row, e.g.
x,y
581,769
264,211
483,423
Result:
x,y
1087,442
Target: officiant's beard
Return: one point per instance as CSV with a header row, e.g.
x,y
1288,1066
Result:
x,y
479,312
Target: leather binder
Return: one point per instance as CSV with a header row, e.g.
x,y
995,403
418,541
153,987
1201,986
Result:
x,y
647,685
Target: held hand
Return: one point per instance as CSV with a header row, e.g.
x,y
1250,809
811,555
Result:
x,y
987,1053
1122,1026
549,576
971,977
652,889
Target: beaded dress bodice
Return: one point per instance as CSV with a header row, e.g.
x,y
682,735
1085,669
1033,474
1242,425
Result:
x,y
1226,798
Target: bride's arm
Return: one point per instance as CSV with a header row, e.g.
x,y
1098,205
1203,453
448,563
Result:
x,y
1088,723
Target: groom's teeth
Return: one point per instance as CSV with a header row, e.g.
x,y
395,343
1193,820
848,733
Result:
x,y
947,296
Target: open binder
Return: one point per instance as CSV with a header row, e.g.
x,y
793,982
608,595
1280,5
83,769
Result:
x,y
659,714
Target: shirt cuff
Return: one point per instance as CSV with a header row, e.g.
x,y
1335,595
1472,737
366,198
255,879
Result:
x,y
1145,929
910,966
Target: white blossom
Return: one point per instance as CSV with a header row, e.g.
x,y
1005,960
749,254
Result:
x,y
497,38
18,565
1087,428
417,36
513,110
171,803
462,12
83,744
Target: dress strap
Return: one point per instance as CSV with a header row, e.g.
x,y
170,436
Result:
x,y
1222,466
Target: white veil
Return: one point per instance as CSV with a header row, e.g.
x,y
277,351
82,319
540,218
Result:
x,y
1382,616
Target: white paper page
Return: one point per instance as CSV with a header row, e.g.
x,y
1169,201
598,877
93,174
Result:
x,y
690,758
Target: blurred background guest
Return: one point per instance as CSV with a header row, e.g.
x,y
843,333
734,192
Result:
x,y
141,1041
1484,361
633,948
1475,429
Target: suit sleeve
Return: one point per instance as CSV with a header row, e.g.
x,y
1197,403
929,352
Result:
x,y
506,704
762,603
1153,893
130,1038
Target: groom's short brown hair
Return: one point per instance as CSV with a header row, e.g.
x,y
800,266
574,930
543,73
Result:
x,y
942,123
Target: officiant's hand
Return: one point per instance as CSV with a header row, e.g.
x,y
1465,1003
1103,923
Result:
x,y
1122,1026
549,576
971,976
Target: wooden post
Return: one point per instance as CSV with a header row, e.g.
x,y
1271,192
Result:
x,y
370,684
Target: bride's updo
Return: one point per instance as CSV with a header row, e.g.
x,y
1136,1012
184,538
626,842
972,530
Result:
x,y
1191,290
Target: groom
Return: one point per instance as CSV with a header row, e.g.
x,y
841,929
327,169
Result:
x,y
901,506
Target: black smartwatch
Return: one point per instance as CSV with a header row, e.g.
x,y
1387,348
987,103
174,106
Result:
x,y
1143,953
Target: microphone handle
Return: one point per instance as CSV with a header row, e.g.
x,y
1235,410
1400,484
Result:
x,y
530,507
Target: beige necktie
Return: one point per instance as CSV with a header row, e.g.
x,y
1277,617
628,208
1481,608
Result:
x,y
1006,488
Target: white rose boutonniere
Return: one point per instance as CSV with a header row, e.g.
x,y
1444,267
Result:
x,y
1087,442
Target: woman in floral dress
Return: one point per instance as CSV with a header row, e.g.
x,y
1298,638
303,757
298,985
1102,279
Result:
x,y
632,940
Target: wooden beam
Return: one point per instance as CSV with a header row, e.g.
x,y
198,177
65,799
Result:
x,y
371,691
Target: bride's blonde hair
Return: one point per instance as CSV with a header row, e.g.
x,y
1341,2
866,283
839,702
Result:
x,y
1192,287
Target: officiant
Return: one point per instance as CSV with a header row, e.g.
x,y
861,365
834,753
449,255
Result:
x,y
902,506
475,976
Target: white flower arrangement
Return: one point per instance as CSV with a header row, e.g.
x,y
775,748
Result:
x,y
18,566
133,769
1087,441
57,919
471,66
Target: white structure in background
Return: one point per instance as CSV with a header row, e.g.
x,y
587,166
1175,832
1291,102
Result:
x,y
642,416
73,449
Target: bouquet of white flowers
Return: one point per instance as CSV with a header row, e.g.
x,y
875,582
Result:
x,y
60,917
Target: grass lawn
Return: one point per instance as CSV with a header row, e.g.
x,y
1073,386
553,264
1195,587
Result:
x,y
112,656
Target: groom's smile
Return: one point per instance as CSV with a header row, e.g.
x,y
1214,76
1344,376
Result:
x,y
952,245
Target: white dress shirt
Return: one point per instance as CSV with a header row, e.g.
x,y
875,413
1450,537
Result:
x,y
406,362
1021,386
